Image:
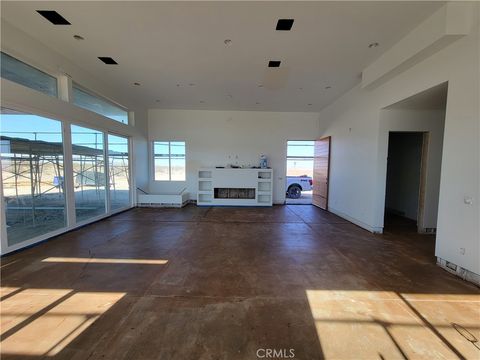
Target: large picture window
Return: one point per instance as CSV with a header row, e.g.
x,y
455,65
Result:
x,y
88,172
26,75
40,197
32,175
119,174
169,160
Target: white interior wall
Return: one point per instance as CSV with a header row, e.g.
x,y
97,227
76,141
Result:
x,y
359,147
218,138
140,151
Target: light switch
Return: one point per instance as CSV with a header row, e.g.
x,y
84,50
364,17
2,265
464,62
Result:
x,y
468,200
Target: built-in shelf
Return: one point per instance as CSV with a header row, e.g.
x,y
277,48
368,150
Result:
x,y
264,186
205,174
264,174
235,187
205,185
264,199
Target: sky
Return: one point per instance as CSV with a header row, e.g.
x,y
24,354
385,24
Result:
x,y
32,126
300,148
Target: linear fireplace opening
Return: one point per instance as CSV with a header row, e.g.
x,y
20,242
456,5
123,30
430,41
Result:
x,y
234,193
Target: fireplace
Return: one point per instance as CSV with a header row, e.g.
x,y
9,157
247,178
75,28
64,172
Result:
x,y
234,193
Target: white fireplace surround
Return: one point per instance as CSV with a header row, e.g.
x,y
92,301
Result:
x,y
210,179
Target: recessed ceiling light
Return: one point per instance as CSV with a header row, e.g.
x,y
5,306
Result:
x,y
227,42
284,24
191,84
260,85
328,87
202,102
157,101
54,17
373,45
274,63
178,85
136,83
107,60
300,88
78,37
309,104
257,103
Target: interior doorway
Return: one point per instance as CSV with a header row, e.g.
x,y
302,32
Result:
x,y
405,179
412,130
299,179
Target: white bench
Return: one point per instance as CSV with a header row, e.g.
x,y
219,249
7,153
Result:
x,y
163,200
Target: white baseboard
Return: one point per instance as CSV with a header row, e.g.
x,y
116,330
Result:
x,y
372,229
456,270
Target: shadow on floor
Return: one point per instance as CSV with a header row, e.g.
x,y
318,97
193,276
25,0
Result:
x,y
225,282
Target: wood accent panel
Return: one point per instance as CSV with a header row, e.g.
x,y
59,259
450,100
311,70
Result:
x,y
321,173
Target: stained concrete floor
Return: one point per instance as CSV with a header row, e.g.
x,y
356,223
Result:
x,y
230,283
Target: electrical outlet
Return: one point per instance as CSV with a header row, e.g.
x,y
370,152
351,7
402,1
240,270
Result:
x,y
462,251
468,200
451,266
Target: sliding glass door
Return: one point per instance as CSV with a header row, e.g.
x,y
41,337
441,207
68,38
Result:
x,y
32,175
119,174
89,176
37,190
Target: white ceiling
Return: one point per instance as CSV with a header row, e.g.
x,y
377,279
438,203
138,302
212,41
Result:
x,y
166,46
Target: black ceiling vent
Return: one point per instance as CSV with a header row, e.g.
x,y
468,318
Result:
x,y
108,60
54,17
284,24
274,63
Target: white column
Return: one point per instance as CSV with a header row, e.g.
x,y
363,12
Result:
x,y
65,88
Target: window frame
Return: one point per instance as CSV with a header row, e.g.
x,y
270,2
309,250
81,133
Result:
x,y
105,175
101,97
39,69
71,221
130,173
5,246
152,152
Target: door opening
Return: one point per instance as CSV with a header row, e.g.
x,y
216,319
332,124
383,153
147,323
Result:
x,y
298,187
405,179
413,130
